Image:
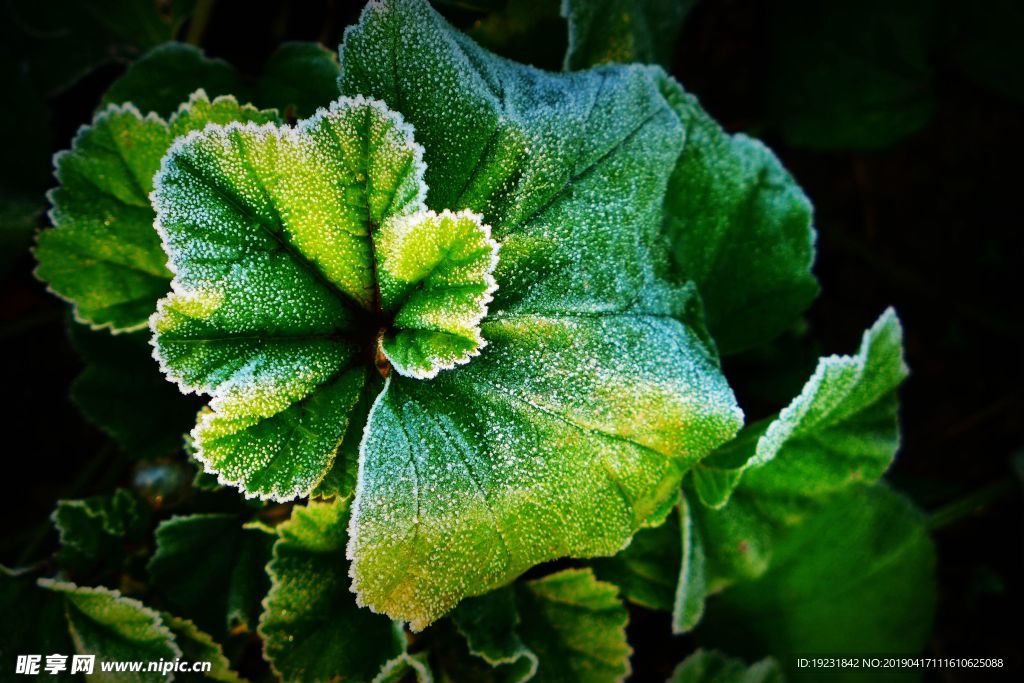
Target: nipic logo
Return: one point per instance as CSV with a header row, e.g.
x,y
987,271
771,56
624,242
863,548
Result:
x,y
30,665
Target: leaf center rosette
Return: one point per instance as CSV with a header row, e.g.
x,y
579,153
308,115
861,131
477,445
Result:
x,y
339,326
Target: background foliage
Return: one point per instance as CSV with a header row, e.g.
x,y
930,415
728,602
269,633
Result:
x,y
900,120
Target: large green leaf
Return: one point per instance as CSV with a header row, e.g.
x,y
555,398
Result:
x,y
647,571
222,592
311,626
112,627
561,628
102,254
711,666
740,228
856,578
843,429
604,31
471,478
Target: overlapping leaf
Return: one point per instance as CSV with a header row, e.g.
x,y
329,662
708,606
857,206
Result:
x,y
561,628
311,626
103,254
570,172
711,666
222,593
740,228
857,577
842,430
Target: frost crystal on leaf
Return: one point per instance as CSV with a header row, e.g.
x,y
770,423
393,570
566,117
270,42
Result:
x,y
313,269
102,254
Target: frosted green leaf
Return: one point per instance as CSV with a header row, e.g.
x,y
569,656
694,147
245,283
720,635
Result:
x,y
490,624
434,276
102,254
399,669
596,391
740,228
647,571
197,646
274,309
222,592
94,532
857,577
843,429
604,31
844,424
112,627
711,666
692,588
561,628
311,626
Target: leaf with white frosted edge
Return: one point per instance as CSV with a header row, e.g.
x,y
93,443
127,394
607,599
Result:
x,y
576,625
572,429
398,669
434,277
489,623
311,626
102,254
646,571
711,666
454,501
222,593
197,646
563,627
624,31
740,228
843,429
94,531
844,425
270,233
692,589
104,623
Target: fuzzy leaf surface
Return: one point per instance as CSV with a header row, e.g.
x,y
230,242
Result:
x,y
104,623
563,627
102,254
740,228
842,429
569,171
311,626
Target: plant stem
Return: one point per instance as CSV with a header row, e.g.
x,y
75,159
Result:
x,y
200,17
971,503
